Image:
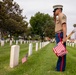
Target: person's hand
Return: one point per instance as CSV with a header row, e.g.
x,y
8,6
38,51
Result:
x,y
64,40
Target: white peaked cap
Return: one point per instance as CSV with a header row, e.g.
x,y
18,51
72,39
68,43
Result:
x,y
57,6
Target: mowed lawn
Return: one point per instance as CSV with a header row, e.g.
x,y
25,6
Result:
x,y
42,62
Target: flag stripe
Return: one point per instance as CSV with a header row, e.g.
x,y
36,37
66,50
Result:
x,y
59,49
24,59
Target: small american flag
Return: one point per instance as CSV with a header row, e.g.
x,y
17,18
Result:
x,y
24,59
59,49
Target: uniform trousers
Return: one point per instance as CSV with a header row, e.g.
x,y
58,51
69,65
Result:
x,y
61,63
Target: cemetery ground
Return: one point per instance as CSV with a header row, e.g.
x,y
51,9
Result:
x,y
41,62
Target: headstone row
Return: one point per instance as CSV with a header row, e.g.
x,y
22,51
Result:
x,y
14,54
42,44
72,44
3,42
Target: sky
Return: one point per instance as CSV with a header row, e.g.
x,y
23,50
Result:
x,y
31,7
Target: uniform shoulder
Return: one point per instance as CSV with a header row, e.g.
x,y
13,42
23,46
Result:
x,y
62,15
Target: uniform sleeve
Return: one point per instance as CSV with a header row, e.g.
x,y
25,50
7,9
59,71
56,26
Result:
x,y
63,19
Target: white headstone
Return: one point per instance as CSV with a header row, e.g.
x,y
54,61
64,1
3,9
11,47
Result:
x,y
36,46
14,55
20,41
30,49
27,42
2,42
6,41
72,44
10,42
16,42
40,45
24,41
44,44
68,43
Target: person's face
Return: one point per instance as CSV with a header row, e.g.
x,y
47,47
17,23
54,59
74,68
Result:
x,y
56,12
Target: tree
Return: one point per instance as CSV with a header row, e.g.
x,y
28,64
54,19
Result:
x,y
42,24
11,18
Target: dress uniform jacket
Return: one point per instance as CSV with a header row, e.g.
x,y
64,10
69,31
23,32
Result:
x,y
60,19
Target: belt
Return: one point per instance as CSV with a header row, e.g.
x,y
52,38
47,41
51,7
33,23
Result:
x,y
59,31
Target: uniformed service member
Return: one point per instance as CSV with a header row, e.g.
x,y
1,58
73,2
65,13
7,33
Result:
x,y
60,33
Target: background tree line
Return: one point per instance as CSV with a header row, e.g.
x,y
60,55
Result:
x,y
12,22
43,25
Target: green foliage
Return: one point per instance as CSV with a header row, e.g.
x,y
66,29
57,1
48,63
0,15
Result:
x,y
28,32
36,37
11,19
42,24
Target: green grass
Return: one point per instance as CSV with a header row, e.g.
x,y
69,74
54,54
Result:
x,y
42,62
